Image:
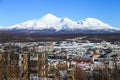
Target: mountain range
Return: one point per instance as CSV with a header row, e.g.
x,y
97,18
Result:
x,y
50,24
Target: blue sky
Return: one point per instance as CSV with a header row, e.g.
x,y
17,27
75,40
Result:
x,y
16,11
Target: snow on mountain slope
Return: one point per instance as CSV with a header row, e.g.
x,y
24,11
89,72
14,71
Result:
x,y
92,23
46,22
56,23
68,24
1,28
29,25
50,21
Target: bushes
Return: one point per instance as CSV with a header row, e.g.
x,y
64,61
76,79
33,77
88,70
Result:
x,y
79,74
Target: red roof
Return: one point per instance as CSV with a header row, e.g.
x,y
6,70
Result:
x,y
84,61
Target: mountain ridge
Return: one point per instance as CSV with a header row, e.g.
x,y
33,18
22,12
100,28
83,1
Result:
x,y
52,24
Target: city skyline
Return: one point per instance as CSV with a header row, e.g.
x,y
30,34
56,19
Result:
x,y
18,11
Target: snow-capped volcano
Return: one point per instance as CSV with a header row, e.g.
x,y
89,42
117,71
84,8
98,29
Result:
x,y
50,23
92,23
